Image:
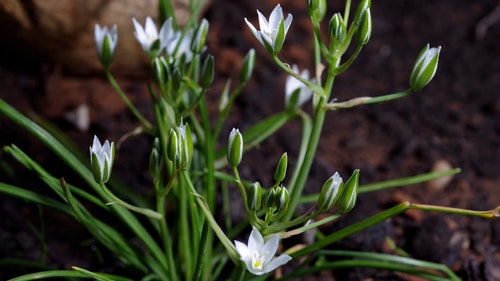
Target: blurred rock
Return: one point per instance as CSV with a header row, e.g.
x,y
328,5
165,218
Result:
x,y
63,31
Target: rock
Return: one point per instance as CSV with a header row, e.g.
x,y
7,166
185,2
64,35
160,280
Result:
x,y
63,31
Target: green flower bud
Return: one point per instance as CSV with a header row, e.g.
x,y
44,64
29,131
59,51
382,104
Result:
x,y
180,146
248,66
316,9
207,72
254,197
330,192
364,31
235,148
350,193
172,145
159,72
200,37
425,67
155,160
101,160
268,200
185,145
337,32
362,6
280,171
281,200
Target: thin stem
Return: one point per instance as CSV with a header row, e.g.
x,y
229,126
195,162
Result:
x,y
127,101
115,200
484,214
164,233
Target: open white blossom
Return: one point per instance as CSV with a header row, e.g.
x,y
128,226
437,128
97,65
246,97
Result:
x,y
269,33
293,84
146,35
258,256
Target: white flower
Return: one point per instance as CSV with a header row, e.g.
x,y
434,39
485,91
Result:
x,y
168,34
146,36
105,41
258,256
101,160
181,45
293,84
272,33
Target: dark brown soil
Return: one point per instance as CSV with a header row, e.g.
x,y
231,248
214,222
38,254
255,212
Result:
x,y
455,120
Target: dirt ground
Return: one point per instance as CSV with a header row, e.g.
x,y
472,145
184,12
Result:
x,y
455,121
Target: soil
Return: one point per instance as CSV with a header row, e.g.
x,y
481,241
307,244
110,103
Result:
x,y
455,122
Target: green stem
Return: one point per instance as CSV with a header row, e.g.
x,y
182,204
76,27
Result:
x,y
147,212
127,101
230,248
165,235
185,245
495,213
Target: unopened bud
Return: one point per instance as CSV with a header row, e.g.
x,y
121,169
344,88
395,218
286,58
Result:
x,y
155,160
207,72
269,198
235,148
364,30
362,6
425,67
350,193
200,37
280,172
281,199
330,192
316,9
172,145
337,31
254,197
248,66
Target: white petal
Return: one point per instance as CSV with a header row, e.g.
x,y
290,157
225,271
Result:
x,y
263,24
276,262
150,28
288,22
255,241
242,249
275,18
269,249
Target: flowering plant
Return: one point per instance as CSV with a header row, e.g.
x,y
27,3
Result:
x,y
178,234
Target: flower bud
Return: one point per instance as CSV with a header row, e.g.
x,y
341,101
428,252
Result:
x,y
280,171
101,160
254,197
207,72
235,148
268,200
200,37
425,67
172,145
330,192
364,31
105,41
337,31
159,72
281,200
350,193
248,66
180,146
185,145
362,6
316,9
155,160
